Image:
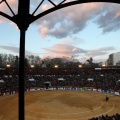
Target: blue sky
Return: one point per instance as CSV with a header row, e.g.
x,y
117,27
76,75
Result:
x,y
82,31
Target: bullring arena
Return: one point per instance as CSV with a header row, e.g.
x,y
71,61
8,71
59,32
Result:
x,y
62,94
60,105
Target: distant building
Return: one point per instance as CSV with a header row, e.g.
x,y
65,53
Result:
x,y
118,63
113,59
106,63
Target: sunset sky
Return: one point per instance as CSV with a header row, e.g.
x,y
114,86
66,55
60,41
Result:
x,y
82,31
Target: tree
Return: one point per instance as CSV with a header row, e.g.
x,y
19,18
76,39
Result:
x,y
91,59
1,62
16,61
3,59
11,60
38,61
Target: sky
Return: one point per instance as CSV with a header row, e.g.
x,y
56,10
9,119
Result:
x,y
80,31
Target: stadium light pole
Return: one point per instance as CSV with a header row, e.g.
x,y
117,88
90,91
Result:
x,y
23,19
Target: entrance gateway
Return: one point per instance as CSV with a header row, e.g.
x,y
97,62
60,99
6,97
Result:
x,y
23,19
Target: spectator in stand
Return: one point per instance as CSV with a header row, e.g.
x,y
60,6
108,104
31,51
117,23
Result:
x,y
106,80
106,117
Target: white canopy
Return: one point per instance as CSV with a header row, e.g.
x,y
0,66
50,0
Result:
x,y
1,81
62,79
90,79
31,79
97,68
6,76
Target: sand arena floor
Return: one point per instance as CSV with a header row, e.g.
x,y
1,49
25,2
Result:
x,y
59,105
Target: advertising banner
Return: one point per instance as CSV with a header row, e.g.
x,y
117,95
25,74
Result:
x,y
94,89
99,90
117,93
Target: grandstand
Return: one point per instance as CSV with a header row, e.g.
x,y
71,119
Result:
x,y
66,85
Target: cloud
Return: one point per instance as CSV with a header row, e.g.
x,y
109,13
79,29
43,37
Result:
x,y
4,8
44,30
65,49
72,20
14,50
72,40
100,51
109,19
68,21
59,50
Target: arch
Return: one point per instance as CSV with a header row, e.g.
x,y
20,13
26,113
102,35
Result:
x,y
6,16
57,7
60,6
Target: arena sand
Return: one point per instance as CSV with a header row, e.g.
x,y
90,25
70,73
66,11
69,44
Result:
x,y
59,105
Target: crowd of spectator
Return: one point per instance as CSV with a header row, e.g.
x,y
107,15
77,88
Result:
x,y
98,79
106,117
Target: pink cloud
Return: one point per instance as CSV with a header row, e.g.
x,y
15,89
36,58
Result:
x,y
74,19
44,30
65,49
71,20
60,50
57,55
4,8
